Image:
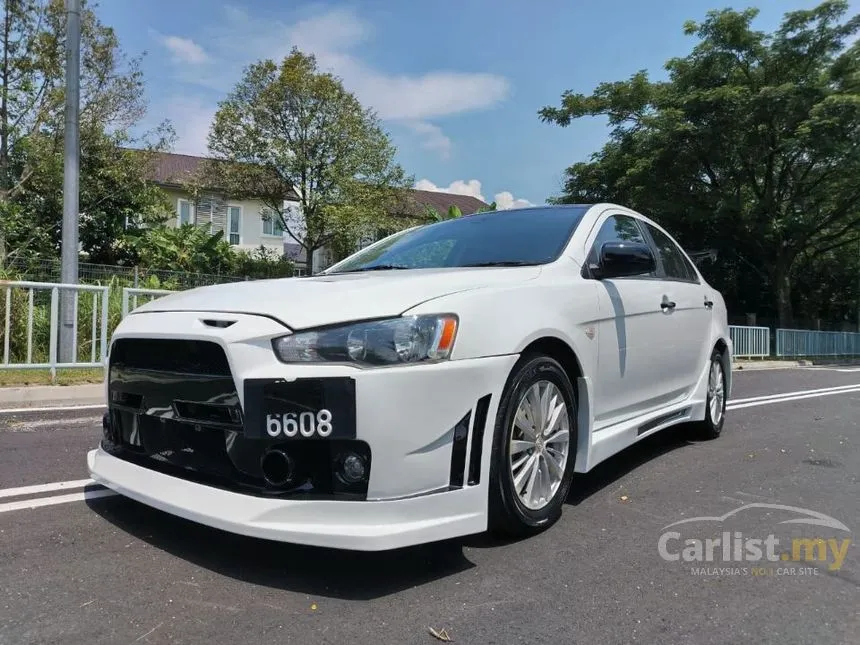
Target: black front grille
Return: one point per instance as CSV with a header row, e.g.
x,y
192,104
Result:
x,y
186,446
169,355
174,408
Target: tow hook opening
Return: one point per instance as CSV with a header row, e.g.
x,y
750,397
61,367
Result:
x,y
277,466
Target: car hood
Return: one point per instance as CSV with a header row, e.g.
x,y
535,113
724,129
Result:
x,y
307,302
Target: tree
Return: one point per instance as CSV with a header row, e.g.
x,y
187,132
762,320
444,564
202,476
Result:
x,y
32,72
261,263
290,130
453,212
115,199
188,248
750,146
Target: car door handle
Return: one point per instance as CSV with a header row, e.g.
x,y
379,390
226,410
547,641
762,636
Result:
x,y
708,303
667,304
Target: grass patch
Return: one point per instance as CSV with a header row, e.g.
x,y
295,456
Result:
x,y
65,376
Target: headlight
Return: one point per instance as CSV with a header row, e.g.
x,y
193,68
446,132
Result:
x,y
394,341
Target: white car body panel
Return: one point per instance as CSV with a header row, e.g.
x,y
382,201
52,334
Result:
x,y
638,370
328,299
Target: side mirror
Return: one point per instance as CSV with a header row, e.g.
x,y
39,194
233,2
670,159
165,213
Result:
x,y
622,259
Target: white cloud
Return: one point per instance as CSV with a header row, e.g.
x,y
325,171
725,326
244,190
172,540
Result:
x,y
433,138
334,37
459,187
504,200
184,50
335,30
191,119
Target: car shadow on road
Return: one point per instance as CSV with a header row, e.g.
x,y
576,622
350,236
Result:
x,y
607,473
320,572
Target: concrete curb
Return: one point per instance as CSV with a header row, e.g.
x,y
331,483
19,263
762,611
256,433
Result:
x,y
35,396
768,365
747,364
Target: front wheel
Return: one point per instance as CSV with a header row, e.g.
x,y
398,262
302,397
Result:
x,y
534,447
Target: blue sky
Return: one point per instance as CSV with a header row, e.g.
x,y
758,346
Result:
x,y
458,84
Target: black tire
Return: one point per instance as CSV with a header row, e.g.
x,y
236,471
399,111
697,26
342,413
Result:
x,y
508,516
708,429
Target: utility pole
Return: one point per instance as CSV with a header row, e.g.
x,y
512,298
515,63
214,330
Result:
x,y
71,168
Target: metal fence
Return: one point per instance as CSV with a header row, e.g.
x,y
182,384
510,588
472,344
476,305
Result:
x,y
30,330
29,335
803,342
750,342
131,295
47,270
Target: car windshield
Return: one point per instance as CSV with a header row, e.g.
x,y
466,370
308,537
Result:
x,y
520,237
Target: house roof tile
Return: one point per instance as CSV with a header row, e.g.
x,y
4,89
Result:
x,y
441,202
172,169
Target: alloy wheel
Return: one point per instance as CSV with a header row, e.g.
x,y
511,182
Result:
x,y
540,444
716,392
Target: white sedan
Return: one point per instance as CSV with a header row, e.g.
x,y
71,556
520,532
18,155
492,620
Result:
x,y
445,381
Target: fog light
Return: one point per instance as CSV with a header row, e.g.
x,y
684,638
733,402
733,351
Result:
x,y
354,469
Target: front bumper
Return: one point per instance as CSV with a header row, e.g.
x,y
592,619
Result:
x,y
428,429
358,526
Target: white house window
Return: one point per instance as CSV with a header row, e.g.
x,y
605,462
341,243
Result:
x,y
234,217
185,213
272,225
134,221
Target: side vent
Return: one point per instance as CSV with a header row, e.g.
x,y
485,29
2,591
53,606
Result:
x,y
478,439
462,473
458,451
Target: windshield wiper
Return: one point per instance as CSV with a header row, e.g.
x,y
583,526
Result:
x,y
376,267
501,263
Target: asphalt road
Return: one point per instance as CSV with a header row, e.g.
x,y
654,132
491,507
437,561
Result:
x,y
106,569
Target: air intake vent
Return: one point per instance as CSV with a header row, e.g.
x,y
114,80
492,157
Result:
x,y
218,323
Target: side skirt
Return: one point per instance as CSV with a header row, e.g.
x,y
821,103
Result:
x,y
595,447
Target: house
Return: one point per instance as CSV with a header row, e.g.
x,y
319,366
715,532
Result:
x,y
249,224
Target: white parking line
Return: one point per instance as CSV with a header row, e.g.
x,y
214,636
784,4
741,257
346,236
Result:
x,y
44,488
783,395
784,399
56,499
59,408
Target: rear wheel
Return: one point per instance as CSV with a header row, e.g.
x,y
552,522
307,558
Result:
x,y
534,447
715,404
